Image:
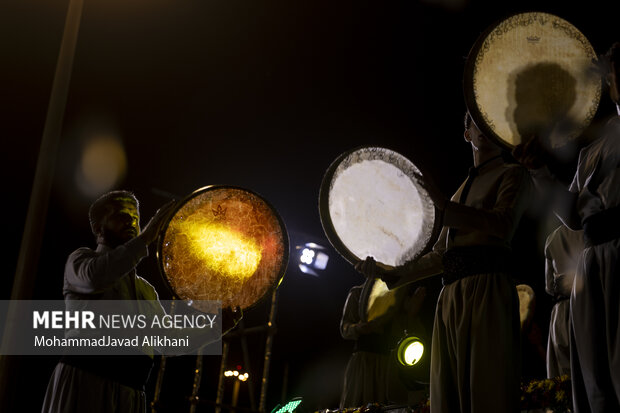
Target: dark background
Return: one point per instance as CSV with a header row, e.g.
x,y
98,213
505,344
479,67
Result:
x,y
259,94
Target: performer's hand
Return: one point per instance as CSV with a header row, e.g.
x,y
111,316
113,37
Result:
x,y
368,267
155,224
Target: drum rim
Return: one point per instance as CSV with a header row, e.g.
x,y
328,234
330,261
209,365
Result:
x,y
468,75
179,204
326,221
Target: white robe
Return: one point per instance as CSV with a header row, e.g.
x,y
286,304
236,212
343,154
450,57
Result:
x,y
595,299
110,275
475,360
562,251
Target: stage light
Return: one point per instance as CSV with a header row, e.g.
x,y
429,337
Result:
x,y
288,407
411,357
311,258
410,351
307,256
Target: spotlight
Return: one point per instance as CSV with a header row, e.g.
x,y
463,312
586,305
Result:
x,y
412,356
311,258
307,256
410,351
288,407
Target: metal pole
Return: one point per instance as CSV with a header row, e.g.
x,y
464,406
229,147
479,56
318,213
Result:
x,y
158,384
220,386
46,162
268,345
34,227
235,395
246,362
193,400
160,373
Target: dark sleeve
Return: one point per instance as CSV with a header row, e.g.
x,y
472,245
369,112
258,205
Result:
x,y
350,315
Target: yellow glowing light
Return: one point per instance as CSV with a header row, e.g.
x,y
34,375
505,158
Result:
x,y
222,250
410,351
413,353
223,244
103,164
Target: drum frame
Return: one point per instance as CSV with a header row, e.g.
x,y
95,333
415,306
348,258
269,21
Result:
x,y
468,82
200,191
326,221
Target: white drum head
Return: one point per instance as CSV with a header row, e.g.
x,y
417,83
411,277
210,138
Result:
x,y
371,204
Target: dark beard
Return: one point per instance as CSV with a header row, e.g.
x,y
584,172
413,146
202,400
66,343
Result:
x,y
113,240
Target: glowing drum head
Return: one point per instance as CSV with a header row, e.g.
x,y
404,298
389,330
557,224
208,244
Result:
x,y
226,244
532,74
371,204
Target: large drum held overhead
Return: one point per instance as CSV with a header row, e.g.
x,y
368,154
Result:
x,y
223,244
532,74
372,203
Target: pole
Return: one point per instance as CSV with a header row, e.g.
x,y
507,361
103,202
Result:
x,y
235,395
268,345
246,362
194,398
34,227
220,386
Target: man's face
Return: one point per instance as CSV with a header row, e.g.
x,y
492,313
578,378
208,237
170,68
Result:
x,y
121,224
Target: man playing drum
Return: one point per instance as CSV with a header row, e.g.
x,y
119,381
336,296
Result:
x,y
109,383
475,359
593,203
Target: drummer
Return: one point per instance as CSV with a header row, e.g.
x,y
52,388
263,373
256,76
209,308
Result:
x,y
593,203
107,383
475,359
367,374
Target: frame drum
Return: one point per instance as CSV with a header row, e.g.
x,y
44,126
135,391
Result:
x,y
372,204
223,244
531,74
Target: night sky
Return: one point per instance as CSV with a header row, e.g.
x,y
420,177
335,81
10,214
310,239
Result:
x,y
258,94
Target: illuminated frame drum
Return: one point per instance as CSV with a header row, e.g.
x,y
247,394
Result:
x,y
532,74
223,243
372,203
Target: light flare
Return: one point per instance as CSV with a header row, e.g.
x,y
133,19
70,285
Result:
x,y
223,251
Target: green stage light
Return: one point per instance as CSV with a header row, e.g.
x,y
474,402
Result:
x,y
410,351
288,407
